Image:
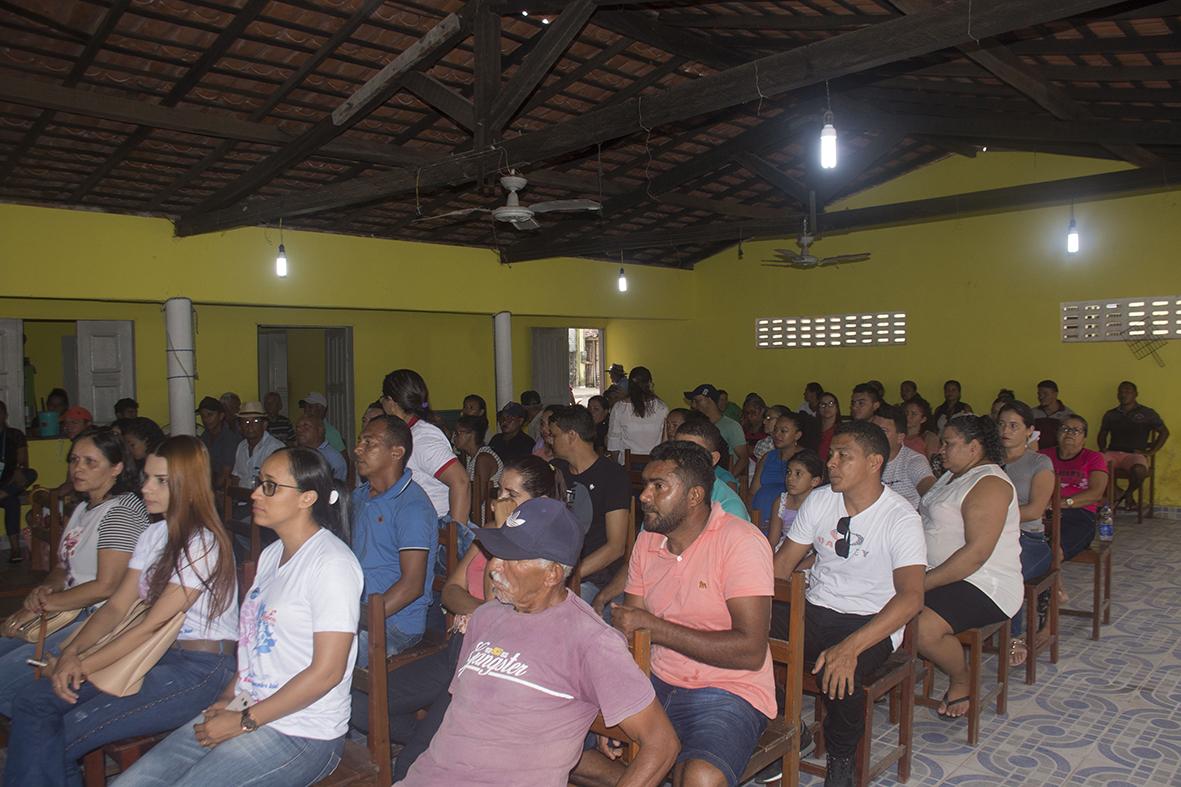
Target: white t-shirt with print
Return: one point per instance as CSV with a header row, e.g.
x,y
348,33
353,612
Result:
x,y
115,523
196,568
317,589
432,455
904,472
886,536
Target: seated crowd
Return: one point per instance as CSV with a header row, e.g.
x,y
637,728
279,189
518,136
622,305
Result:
x,y
897,513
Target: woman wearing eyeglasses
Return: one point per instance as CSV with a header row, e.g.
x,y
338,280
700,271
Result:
x,y
830,415
972,523
182,563
1082,475
296,648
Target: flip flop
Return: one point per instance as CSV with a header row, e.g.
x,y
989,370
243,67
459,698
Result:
x,y
948,703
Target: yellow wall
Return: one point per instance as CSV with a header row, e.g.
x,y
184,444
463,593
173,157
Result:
x,y
305,364
43,346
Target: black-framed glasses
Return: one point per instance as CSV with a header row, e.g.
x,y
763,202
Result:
x,y
842,544
269,487
1072,430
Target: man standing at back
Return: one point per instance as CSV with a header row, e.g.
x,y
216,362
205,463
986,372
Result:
x,y
701,582
220,441
704,399
867,582
395,533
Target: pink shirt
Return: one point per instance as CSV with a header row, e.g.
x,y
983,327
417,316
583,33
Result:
x,y
730,559
1074,475
475,573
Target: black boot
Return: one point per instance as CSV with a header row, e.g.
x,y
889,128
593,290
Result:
x,y
839,772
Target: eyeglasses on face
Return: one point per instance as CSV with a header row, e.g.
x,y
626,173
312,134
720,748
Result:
x,y
251,421
827,405
269,487
842,545
1072,430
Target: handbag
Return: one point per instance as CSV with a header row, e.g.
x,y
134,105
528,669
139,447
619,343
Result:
x,y
30,628
126,676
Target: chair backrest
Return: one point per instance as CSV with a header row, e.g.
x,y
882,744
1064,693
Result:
x,y
612,455
1111,485
788,655
239,494
1047,432
1054,525
45,508
640,645
246,574
449,544
756,517
634,464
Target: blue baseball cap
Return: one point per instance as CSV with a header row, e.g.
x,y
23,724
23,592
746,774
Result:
x,y
705,389
538,528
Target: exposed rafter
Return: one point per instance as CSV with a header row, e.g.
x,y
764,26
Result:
x,y
899,39
770,21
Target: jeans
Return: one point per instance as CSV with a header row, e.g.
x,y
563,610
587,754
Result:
x,y
844,720
396,641
49,734
15,674
1035,562
589,590
263,758
12,508
421,684
1078,531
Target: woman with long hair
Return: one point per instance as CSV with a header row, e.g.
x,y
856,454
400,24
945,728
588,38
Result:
x,y
971,520
600,410
433,462
770,479
142,436
281,720
921,435
830,415
637,422
93,551
424,683
182,563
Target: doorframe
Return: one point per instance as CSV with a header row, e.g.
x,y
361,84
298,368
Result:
x,y
346,429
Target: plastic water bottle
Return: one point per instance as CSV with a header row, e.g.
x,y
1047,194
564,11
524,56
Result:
x,y
1106,523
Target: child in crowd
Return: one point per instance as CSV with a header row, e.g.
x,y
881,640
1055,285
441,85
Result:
x,y
805,472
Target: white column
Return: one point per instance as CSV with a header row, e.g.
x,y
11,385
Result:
x,y
182,369
502,341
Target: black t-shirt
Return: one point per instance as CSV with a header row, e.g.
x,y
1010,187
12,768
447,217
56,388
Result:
x,y
1129,431
510,449
607,486
11,441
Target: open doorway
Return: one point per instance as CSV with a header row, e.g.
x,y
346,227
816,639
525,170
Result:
x,y
294,360
568,364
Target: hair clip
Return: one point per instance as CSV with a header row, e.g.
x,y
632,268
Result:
x,y
333,496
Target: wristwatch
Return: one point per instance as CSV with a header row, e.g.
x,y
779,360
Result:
x,y
1070,502
248,722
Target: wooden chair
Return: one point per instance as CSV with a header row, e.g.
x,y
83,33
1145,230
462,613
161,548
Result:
x,y
973,641
895,679
376,762
781,739
640,646
1099,558
1038,637
232,495
634,464
45,525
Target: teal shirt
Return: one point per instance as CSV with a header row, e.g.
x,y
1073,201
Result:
x,y
731,502
332,435
732,433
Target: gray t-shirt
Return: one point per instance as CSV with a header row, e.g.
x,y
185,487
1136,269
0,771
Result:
x,y
1021,473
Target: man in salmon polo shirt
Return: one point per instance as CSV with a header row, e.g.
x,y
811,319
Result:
x,y
701,581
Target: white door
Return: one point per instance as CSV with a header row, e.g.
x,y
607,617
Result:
x,y
12,374
272,364
338,383
551,364
106,365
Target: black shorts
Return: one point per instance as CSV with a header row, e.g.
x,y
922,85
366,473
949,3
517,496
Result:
x,y
964,606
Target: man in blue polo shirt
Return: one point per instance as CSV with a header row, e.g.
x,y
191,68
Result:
x,y
395,535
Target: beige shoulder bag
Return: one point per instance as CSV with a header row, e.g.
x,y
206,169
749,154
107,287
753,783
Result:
x,y
125,676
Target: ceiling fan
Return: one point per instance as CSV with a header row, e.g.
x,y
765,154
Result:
x,y
805,260
513,212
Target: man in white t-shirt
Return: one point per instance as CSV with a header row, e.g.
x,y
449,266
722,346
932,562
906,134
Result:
x,y
907,471
257,444
866,583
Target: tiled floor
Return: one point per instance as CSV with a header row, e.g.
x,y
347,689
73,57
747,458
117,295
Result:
x,y
1109,713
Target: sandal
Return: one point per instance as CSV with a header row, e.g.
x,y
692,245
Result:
x,y
1018,652
948,703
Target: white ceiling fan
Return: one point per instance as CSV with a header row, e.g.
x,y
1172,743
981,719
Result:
x,y
513,212
805,260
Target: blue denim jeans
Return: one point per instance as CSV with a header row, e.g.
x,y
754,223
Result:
x,y
1035,562
15,674
49,734
263,758
396,641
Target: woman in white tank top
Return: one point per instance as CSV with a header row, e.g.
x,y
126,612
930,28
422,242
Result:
x,y
972,523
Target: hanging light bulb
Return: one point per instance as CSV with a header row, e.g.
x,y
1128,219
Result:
x,y
281,263
622,281
828,143
1072,237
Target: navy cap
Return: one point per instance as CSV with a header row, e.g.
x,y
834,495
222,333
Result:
x,y
538,528
705,389
515,410
209,403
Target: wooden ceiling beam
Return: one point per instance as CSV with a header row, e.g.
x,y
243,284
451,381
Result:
x,y
683,43
1013,71
899,39
486,74
785,184
434,93
1003,200
554,43
425,52
771,21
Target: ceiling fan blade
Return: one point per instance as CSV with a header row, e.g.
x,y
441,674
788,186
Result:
x,y
453,214
841,258
779,265
527,224
565,205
